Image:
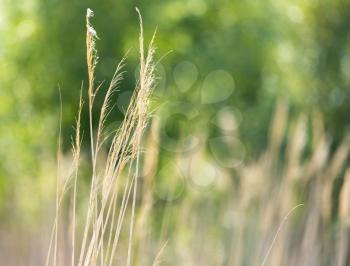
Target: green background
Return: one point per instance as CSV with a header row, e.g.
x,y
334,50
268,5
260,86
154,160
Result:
x,y
295,50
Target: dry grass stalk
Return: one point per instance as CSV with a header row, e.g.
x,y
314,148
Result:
x,y
101,230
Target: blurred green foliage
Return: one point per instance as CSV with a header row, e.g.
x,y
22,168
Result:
x,y
298,50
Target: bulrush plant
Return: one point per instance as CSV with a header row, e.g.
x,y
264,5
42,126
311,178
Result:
x,y
106,211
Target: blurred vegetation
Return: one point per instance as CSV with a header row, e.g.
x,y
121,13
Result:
x,y
296,50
